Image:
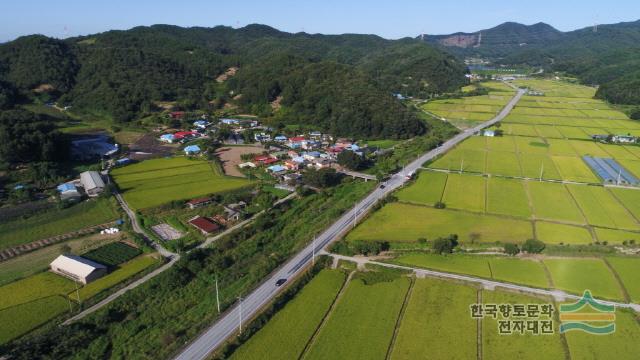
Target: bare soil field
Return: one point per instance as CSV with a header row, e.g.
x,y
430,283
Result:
x,y
230,157
148,146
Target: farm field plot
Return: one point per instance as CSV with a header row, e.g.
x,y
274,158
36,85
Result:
x,y
552,233
572,132
408,223
601,208
21,319
34,287
473,143
352,330
555,88
531,145
577,275
629,198
503,163
548,131
527,272
628,270
620,153
625,340
574,169
461,159
154,182
616,236
460,264
56,222
427,329
516,346
507,197
519,129
427,189
561,147
123,272
112,254
500,143
631,165
286,334
588,148
535,164
543,194
465,192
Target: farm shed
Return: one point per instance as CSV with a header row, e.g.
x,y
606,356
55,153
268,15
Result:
x,y
69,192
203,224
196,203
92,183
78,268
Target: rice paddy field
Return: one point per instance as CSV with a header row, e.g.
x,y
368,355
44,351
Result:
x,y
530,182
577,275
154,182
423,318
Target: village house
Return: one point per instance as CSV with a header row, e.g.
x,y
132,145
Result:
x,y
295,142
205,225
69,192
276,169
201,124
246,165
196,203
192,150
623,139
280,138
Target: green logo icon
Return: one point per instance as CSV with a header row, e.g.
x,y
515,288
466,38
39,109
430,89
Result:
x,y
572,318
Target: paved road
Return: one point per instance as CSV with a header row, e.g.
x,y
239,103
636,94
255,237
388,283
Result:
x,y
488,284
228,324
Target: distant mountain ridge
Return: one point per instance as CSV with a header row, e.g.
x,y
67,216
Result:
x,y
606,55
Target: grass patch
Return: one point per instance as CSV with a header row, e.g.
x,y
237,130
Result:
x,y
287,333
578,275
158,181
35,287
23,318
355,330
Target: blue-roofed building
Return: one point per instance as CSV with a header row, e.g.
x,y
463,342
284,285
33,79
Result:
x,y
69,192
280,138
93,147
192,149
123,161
276,168
168,138
227,121
200,124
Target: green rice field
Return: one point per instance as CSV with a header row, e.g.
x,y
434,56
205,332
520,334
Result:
x,y
578,275
154,182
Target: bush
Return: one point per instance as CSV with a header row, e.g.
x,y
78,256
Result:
x,y
370,247
440,205
533,246
511,249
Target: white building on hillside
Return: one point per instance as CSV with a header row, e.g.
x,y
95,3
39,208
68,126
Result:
x,y
77,268
92,183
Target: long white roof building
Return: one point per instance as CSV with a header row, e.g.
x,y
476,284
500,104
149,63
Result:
x,y
78,268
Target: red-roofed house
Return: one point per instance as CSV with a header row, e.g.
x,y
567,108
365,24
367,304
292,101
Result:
x,y
184,134
205,225
177,115
196,203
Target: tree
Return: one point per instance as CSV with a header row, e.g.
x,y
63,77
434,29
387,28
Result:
x,y
445,245
533,246
321,178
351,160
511,249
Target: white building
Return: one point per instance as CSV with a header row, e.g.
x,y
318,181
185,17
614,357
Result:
x,y
92,183
77,268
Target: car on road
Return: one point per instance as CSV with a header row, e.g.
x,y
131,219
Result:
x,y
280,282
382,186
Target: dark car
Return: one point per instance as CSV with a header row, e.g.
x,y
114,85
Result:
x,y
280,282
382,186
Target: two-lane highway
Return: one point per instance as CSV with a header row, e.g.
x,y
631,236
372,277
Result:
x,y
228,324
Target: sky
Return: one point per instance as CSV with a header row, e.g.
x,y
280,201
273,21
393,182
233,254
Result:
x,y
391,19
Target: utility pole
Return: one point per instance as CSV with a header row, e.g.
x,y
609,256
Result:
x,y
240,314
461,165
541,170
217,294
355,215
77,291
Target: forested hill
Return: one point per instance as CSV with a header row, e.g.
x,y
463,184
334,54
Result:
x,y
342,83
607,55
